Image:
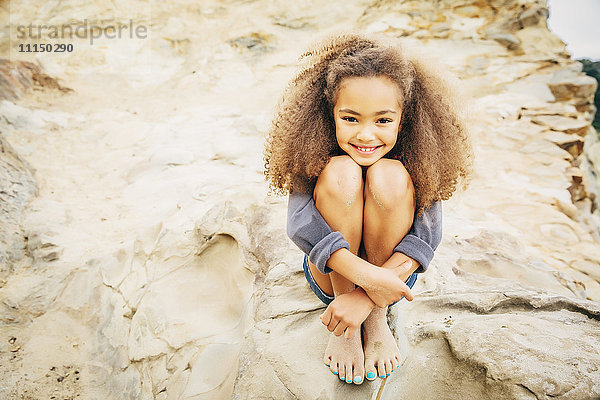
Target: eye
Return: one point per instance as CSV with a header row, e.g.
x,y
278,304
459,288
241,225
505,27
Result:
x,y
349,119
384,120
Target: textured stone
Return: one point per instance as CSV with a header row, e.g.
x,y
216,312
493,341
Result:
x,y
156,267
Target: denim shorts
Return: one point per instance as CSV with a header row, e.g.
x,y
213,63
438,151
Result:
x,y
325,298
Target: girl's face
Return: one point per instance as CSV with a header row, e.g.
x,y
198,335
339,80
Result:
x,y
367,117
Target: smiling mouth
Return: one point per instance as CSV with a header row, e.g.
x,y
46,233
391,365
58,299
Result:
x,y
366,150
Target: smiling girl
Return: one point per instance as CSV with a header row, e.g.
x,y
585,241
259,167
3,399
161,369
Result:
x,y
367,144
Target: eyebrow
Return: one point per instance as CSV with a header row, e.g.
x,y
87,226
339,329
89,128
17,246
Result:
x,y
349,111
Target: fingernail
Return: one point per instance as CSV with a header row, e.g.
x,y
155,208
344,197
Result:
x,y
357,379
371,375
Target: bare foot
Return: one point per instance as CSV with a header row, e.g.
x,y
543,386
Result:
x,y
345,358
381,350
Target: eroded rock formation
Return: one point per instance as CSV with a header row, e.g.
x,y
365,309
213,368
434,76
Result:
x,y
156,268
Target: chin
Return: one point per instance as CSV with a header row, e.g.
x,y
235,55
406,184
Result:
x,y
364,163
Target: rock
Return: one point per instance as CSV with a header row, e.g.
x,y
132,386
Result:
x,y
17,77
573,86
256,42
506,39
157,268
533,16
571,143
563,124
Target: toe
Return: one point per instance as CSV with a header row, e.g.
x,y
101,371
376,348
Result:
x,y
349,374
359,374
396,362
381,369
388,368
341,372
333,368
371,372
327,360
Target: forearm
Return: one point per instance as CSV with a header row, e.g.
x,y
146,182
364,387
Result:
x,y
355,269
350,266
397,259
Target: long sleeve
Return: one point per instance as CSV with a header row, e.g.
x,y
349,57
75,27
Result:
x,y
311,233
424,237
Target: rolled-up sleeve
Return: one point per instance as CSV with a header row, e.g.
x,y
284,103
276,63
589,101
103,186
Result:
x,y
309,231
424,237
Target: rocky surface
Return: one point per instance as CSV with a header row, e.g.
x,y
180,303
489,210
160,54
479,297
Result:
x,y
156,267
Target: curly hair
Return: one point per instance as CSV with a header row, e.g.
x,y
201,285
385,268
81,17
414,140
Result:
x,y
433,143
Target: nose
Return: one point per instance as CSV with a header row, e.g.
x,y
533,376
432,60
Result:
x,y
365,134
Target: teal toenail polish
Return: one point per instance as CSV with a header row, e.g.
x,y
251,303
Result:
x,y
387,374
357,379
341,378
348,381
371,375
382,376
335,373
398,366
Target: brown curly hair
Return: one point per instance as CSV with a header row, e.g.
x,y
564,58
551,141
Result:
x,y
433,143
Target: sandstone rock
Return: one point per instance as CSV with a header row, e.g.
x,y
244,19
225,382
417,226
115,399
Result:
x,y
570,85
17,77
563,124
158,270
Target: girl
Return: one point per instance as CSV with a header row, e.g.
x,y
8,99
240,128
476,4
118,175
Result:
x,y
365,140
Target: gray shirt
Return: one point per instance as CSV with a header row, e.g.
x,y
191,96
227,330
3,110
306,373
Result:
x,y
309,231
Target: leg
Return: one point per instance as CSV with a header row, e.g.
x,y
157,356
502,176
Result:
x,y
339,198
388,216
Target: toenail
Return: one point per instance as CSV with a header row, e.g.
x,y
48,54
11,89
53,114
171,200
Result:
x,y
341,378
357,379
387,374
348,381
382,376
335,372
398,366
371,375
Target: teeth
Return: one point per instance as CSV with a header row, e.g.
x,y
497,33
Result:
x,y
366,149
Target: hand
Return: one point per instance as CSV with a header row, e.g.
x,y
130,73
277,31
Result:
x,y
385,286
347,312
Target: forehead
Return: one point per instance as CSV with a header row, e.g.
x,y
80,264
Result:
x,y
369,92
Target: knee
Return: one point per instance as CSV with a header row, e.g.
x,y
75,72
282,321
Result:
x,y
340,179
389,183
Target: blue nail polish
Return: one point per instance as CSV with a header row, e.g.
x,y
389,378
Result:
x,y
348,381
341,378
335,372
371,375
357,379
387,374
382,376
398,366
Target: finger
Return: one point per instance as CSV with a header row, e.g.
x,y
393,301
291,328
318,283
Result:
x,y
408,294
404,267
333,325
339,329
349,332
326,317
